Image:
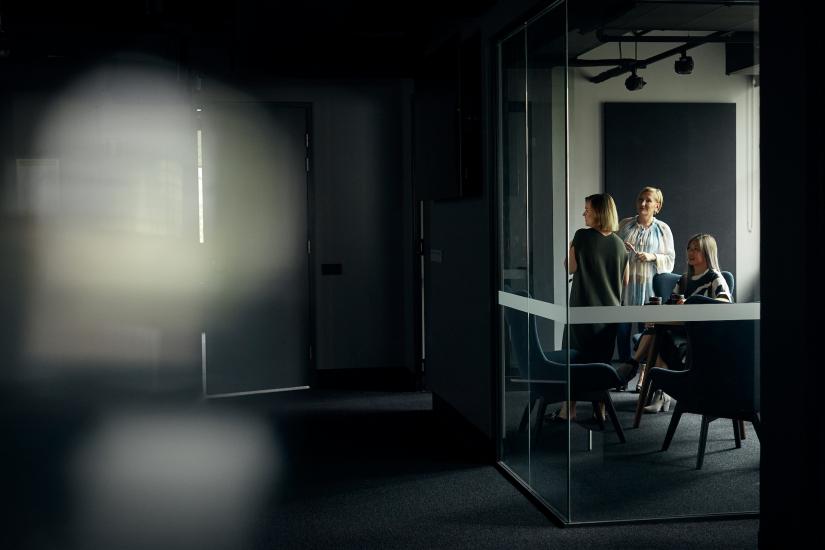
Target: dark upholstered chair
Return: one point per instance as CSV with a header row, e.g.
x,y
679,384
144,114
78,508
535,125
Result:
x,y
664,283
730,280
546,374
722,378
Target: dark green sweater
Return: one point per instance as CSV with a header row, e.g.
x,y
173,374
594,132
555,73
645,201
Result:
x,y
598,278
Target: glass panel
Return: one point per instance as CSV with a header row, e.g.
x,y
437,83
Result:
x,y
512,176
547,275
693,136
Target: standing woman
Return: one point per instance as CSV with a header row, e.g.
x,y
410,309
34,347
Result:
x,y
597,261
649,243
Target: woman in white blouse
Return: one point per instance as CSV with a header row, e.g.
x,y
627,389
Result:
x,y
649,244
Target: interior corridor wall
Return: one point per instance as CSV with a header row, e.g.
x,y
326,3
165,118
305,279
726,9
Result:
x,y
361,218
460,353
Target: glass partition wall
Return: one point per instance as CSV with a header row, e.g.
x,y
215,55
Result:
x,y
533,210
569,129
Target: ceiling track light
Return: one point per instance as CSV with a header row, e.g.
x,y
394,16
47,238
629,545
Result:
x,y
683,65
634,82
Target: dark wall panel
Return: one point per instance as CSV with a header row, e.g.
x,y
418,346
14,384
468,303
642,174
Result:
x,y
689,151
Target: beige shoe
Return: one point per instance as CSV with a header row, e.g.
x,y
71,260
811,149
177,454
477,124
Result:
x,y
661,402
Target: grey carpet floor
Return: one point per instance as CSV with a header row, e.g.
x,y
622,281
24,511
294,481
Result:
x,y
378,470
312,469
615,481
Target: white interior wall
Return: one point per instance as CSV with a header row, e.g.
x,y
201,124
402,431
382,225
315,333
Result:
x,y
707,83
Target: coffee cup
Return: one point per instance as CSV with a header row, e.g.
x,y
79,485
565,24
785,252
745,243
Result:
x,y
655,301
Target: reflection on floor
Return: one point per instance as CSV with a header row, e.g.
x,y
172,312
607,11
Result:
x,y
636,479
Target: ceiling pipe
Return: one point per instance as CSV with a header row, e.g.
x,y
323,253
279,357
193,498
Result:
x,y
642,63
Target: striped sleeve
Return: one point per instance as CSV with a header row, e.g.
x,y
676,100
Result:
x,y
720,290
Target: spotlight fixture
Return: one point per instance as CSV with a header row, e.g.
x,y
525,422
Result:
x,y
684,65
634,82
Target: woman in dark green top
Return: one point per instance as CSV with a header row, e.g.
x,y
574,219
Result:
x,y
597,259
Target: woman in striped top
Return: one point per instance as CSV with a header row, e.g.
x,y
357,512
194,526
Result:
x,y
703,278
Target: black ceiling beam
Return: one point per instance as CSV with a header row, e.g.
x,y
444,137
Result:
x,y
624,62
624,68
718,36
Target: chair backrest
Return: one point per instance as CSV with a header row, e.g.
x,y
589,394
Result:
x,y
524,339
534,363
724,363
730,280
664,283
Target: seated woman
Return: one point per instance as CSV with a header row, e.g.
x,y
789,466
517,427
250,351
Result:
x,y
703,278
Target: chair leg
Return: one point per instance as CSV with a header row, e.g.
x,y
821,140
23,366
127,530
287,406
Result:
x,y
614,418
757,425
644,397
597,415
737,436
703,440
671,428
742,429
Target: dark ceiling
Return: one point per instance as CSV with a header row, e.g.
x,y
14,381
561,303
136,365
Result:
x,y
298,37
309,37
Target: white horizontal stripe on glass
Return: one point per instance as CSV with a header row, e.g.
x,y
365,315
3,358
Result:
x,y
631,314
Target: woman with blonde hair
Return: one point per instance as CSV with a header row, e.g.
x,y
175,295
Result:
x,y
596,259
650,250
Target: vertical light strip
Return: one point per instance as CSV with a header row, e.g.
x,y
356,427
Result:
x,y
201,241
203,363
200,187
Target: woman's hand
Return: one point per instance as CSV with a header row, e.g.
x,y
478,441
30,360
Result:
x,y
680,301
645,257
